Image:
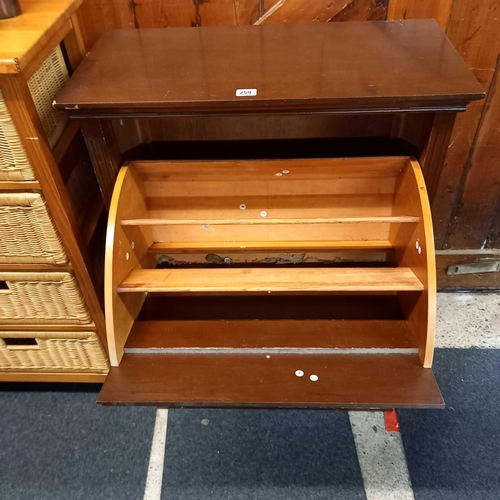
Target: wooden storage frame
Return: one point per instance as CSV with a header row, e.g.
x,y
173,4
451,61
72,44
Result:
x,y
247,209
41,143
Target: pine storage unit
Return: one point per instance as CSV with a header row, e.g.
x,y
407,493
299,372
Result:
x,y
270,242
51,317
236,209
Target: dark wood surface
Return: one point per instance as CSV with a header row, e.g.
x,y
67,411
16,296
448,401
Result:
x,y
168,307
349,381
252,334
351,66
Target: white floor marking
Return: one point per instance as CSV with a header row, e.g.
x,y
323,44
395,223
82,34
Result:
x,y
157,457
381,457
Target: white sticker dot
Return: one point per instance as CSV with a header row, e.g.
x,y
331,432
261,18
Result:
x,y
417,244
133,245
268,356
263,213
278,174
299,373
314,378
419,250
286,171
127,256
243,206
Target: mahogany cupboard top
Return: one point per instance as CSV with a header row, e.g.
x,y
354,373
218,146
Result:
x,y
358,66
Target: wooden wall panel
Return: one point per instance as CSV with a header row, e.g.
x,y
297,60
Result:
x,y
479,197
363,10
420,9
466,211
474,30
99,15
308,11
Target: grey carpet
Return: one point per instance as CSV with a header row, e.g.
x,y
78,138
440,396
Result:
x,y
260,454
455,454
56,443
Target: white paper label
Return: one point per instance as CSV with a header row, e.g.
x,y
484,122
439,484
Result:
x,y
246,92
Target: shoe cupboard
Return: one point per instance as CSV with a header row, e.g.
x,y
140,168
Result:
x,y
269,239
51,210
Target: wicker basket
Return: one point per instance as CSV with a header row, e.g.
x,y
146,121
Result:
x,y
44,85
41,298
14,164
52,352
27,232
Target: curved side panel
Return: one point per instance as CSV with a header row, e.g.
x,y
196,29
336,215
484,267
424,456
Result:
x,y
126,250
414,248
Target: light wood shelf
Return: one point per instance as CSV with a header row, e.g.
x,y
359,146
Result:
x,y
271,280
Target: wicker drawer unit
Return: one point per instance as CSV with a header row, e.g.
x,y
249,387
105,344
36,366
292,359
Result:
x,y
51,226
41,298
52,351
43,85
27,231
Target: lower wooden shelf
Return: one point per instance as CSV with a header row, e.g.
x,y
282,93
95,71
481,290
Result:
x,y
218,335
345,381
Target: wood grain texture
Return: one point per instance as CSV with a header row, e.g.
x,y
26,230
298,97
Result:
x,y
420,9
104,154
215,128
474,220
98,15
74,45
270,280
302,11
203,68
474,29
32,34
121,259
362,10
225,200
266,246
375,168
252,380
432,157
19,186
254,334
401,219
414,247
81,378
